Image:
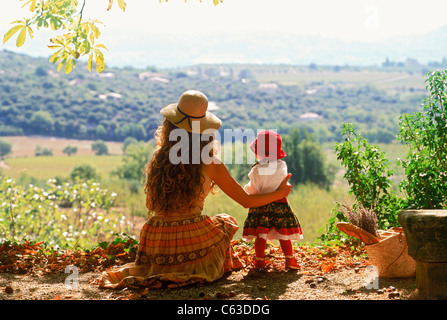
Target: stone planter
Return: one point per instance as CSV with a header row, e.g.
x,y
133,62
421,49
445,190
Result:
x,y
426,233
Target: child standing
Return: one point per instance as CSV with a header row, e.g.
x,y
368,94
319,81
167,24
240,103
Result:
x,y
275,220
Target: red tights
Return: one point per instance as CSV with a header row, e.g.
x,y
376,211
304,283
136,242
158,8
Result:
x,y
260,243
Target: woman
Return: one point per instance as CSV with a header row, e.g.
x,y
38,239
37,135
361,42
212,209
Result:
x,y
178,243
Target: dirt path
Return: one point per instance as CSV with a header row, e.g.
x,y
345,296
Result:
x,y
245,284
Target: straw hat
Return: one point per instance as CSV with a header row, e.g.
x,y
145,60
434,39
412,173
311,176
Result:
x,y
192,107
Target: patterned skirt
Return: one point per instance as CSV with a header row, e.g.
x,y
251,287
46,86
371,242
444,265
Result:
x,y
178,250
273,221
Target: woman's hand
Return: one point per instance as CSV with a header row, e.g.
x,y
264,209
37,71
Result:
x,y
285,187
218,172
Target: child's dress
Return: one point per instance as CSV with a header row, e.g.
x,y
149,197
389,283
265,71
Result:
x,y
275,220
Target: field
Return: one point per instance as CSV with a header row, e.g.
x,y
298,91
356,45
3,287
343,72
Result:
x,y
22,159
312,205
382,79
25,146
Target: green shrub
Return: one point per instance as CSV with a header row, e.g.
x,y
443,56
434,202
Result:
x,y
59,214
425,134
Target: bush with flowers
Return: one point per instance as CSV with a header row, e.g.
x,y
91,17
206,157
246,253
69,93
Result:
x,y
67,214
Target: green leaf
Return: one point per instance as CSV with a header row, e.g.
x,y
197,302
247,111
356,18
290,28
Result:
x,y
100,66
122,5
101,46
61,64
31,32
32,5
90,62
103,244
11,32
21,38
54,56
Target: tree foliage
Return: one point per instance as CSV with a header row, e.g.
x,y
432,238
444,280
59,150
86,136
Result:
x,y
369,178
5,148
84,172
100,148
425,182
126,102
134,162
69,150
306,159
425,134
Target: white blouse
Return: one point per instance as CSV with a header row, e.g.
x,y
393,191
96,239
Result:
x,y
266,176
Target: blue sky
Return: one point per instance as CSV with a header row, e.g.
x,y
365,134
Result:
x,y
361,20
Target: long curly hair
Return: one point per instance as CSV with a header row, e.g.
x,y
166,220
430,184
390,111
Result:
x,y
170,186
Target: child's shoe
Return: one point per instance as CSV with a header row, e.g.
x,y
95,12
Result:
x,y
259,263
291,263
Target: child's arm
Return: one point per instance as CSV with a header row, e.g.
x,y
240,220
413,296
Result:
x,y
218,172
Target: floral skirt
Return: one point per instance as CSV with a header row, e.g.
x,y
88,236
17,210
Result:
x,y
274,221
179,250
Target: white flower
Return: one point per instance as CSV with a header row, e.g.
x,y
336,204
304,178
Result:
x,y
113,194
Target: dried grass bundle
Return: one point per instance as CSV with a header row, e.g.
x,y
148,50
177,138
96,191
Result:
x,y
363,218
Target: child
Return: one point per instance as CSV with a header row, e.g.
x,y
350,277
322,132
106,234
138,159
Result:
x,y
275,220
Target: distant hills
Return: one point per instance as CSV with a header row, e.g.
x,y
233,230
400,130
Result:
x,y
162,50
168,51
125,102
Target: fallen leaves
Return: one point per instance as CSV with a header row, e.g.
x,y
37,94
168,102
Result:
x,y
311,258
37,258
29,257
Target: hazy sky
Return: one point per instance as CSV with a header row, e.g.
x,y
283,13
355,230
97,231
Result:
x,y
365,20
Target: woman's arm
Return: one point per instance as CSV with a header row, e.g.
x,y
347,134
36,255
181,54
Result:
x,y
218,172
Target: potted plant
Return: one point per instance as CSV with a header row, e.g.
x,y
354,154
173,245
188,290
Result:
x,y
424,218
373,217
421,213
